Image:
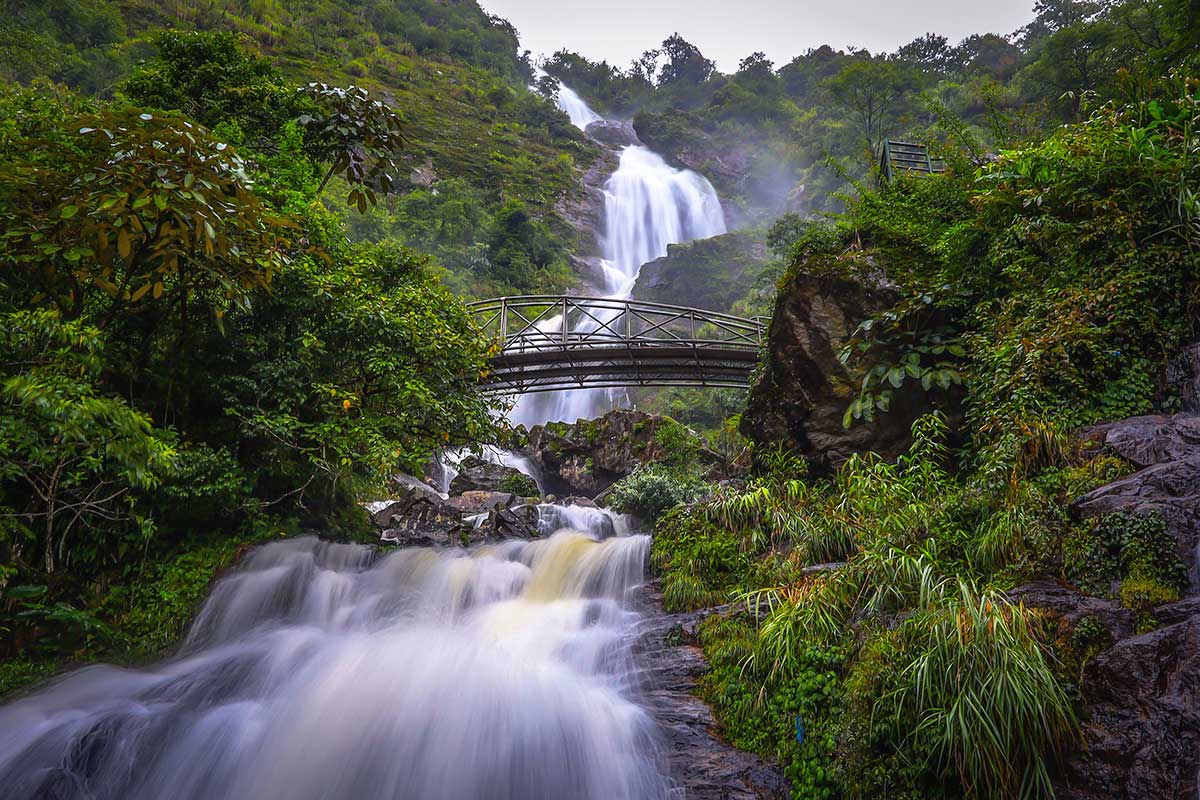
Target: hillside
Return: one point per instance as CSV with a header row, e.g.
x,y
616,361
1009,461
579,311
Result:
x,y
485,154
796,137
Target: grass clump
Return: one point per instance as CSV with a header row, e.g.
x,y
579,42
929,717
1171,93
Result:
x,y
881,583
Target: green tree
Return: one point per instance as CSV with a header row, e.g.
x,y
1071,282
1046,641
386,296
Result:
x,y
873,93
684,63
136,206
211,77
71,453
356,136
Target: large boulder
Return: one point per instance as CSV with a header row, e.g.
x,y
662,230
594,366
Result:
x,y
709,273
612,132
586,457
475,474
803,390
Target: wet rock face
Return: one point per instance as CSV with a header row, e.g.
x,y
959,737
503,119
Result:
x,y
1142,723
586,457
709,273
803,390
1167,449
1140,715
700,764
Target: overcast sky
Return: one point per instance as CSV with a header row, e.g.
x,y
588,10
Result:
x,y
728,30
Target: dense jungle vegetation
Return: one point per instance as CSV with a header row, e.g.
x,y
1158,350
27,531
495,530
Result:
x,y
501,157
765,135
233,241
1039,290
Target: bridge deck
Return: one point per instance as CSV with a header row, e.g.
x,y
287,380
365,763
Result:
x,y
551,342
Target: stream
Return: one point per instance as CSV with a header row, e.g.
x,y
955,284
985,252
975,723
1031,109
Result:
x,y
515,670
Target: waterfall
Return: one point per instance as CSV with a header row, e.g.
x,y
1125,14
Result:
x,y
575,108
648,204
321,670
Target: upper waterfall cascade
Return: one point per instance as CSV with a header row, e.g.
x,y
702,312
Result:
x,y
648,204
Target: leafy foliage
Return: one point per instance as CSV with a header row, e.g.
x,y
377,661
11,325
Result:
x,y
951,687
357,136
137,207
70,454
650,491
190,344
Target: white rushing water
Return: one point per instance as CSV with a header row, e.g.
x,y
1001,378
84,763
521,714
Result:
x,y
321,671
648,204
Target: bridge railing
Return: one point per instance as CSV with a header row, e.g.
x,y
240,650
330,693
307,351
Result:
x,y
545,323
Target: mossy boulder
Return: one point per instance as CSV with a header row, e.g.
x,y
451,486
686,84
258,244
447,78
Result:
x,y
803,389
586,457
713,274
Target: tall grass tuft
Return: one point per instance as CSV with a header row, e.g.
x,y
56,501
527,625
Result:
x,y
981,687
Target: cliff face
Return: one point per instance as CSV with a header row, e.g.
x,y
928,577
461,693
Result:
x,y
713,274
802,391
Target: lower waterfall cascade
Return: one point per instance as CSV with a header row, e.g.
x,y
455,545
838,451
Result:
x,y
322,670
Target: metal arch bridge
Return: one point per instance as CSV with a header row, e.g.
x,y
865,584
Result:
x,y
551,342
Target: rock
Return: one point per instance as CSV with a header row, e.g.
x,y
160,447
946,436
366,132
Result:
x,y
407,486
583,211
588,456
1155,439
422,523
1168,449
477,501
473,516
578,501
475,474
1183,375
1141,724
702,766
1068,606
611,132
803,391
1141,696
709,273
500,522
423,175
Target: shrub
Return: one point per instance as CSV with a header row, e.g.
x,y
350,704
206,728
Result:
x,y
650,491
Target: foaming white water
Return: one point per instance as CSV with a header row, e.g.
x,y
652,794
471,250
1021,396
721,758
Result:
x,y
451,459
648,204
575,108
328,671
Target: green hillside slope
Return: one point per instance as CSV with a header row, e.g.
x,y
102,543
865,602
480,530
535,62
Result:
x,y
490,159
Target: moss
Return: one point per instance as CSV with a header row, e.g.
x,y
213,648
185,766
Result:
x,y
1142,595
519,484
